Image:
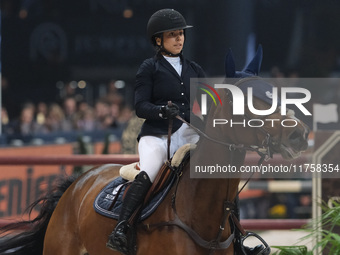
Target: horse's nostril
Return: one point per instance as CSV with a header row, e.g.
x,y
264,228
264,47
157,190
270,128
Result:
x,y
298,139
295,135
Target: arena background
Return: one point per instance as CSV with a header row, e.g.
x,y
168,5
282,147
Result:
x,y
48,44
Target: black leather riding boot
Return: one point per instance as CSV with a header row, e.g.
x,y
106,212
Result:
x,y
133,198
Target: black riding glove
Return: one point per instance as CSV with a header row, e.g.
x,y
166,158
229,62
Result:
x,y
169,111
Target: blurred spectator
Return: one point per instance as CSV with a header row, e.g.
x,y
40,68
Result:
x,y
55,119
112,94
26,124
70,115
83,106
103,114
4,119
115,99
124,116
305,206
111,87
70,111
119,113
41,113
86,120
108,122
115,111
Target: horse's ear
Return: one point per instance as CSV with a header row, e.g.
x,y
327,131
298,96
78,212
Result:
x,y
255,65
229,65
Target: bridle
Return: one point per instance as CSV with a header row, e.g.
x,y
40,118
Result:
x,y
265,151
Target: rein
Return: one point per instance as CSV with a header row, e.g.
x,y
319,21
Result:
x,y
216,244
229,207
263,152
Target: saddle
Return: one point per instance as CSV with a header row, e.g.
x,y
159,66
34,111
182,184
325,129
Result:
x,y
109,201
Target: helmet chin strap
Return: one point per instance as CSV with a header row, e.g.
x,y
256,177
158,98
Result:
x,y
166,52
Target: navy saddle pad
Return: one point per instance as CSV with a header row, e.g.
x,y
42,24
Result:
x,y
104,200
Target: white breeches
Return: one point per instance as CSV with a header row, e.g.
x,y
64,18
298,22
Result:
x,y
153,149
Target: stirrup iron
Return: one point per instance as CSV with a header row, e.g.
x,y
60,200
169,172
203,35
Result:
x,y
115,242
266,249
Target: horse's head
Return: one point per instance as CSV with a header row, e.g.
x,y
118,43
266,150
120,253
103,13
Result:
x,y
275,132
278,132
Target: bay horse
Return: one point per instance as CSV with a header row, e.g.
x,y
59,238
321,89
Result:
x,y
192,218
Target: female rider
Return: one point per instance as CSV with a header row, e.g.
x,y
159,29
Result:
x,y
163,78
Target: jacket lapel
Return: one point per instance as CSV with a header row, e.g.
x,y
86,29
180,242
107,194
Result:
x,y
166,64
184,66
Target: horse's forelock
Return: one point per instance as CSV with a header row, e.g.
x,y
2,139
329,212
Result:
x,y
290,113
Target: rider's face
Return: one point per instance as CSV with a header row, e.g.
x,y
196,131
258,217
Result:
x,y
173,41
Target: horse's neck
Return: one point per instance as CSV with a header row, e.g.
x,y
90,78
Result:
x,y
208,154
205,196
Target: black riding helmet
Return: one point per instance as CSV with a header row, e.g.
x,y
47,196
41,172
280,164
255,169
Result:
x,y
165,20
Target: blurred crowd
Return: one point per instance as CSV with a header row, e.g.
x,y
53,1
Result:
x,y
71,113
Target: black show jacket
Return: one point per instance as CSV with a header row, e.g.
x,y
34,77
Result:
x,y
157,82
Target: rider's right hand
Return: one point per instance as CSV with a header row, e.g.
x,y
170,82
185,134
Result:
x,y
169,111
